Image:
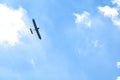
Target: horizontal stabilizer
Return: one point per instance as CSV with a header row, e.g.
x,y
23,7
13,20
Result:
x,y
31,31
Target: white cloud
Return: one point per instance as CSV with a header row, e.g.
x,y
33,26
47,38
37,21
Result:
x,y
11,24
116,21
118,78
82,18
116,2
112,12
108,11
33,62
96,43
118,64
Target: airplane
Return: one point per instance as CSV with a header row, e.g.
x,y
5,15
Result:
x,y
36,29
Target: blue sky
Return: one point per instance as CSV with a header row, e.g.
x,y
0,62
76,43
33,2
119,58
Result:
x,y
80,40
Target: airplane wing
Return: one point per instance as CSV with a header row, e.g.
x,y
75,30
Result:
x,y
39,36
36,29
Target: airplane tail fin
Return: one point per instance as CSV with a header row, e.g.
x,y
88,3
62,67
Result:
x,y
31,31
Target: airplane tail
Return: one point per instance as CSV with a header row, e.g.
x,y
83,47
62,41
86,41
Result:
x,y
31,31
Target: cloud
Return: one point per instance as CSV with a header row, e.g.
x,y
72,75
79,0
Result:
x,y
118,78
116,2
108,11
118,64
12,24
97,43
112,12
82,18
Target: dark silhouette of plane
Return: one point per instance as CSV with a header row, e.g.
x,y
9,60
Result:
x,y
36,29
